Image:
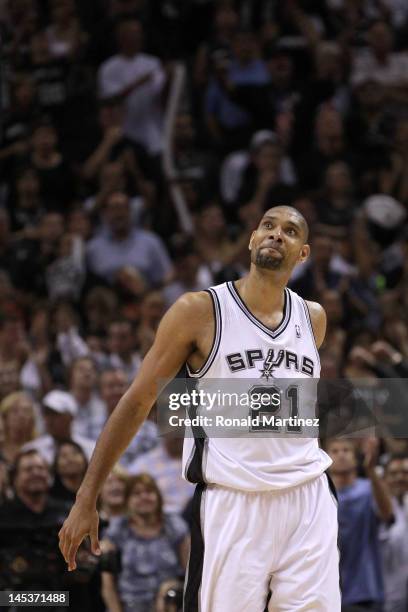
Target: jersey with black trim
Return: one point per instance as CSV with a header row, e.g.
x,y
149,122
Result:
x,y
249,360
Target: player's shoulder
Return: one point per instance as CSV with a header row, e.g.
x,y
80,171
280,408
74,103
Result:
x,y
316,310
194,303
319,320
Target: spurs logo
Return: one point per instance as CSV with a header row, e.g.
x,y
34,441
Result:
x,y
271,362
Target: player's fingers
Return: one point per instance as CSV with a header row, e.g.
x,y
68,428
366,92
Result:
x,y
62,542
71,554
95,547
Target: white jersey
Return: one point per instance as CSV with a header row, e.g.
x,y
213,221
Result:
x,y
246,353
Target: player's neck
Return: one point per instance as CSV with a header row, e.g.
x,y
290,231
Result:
x,y
262,290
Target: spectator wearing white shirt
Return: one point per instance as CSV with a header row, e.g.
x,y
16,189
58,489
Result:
x,y
59,410
394,536
138,79
83,388
378,62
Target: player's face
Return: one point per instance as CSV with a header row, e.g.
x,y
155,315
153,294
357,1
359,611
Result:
x,y
278,243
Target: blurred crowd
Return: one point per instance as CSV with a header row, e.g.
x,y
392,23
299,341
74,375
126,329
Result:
x,y
295,102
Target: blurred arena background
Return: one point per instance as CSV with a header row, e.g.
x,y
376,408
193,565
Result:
x,y
140,143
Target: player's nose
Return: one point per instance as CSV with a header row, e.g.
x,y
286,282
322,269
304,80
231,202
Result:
x,y
276,233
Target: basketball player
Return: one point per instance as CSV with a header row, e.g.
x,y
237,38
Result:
x,y
264,517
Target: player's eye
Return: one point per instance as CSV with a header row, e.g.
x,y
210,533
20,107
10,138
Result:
x,y
292,231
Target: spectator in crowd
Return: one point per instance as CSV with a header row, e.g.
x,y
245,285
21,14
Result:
x,y
123,175
224,28
329,145
18,418
153,547
53,171
363,503
29,525
113,384
26,209
113,494
394,539
69,470
59,411
138,79
189,272
17,123
122,348
229,124
100,307
65,276
379,62
13,353
83,387
267,178
152,309
35,253
163,463
335,206
312,279
192,163
212,242
64,35
247,164
120,245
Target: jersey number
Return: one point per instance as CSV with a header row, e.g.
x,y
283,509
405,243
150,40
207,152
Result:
x,y
273,408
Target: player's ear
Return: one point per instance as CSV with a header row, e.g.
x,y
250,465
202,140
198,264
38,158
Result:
x,y
304,253
251,240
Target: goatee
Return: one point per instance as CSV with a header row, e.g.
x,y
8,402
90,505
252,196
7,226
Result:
x,y
268,262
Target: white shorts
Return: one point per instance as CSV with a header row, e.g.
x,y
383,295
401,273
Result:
x,y
249,549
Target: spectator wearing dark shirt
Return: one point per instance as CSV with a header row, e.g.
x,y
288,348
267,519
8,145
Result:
x,y
26,207
329,145
363,503
69,469
34,254
318,274
29,525
54,173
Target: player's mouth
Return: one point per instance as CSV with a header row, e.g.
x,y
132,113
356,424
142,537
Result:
x,y
272,249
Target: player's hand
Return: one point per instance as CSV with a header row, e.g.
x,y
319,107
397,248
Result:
x,y
82,521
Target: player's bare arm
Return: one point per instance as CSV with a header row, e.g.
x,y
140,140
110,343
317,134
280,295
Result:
x,y
319,321
185,333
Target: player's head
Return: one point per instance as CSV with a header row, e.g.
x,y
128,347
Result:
x,y
280,241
